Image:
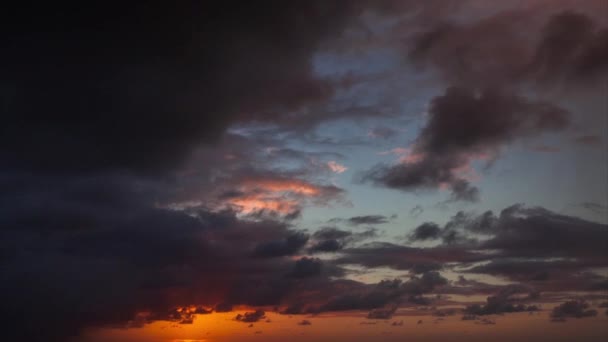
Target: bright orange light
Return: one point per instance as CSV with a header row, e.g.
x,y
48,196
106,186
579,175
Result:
x,y
283,185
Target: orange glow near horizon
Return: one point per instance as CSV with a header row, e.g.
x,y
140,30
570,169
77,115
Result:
x,y
353,326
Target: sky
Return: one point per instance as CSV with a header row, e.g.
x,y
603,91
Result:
x,y
309,170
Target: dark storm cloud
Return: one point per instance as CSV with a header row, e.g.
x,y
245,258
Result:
x,y
100,105
97,87
465,126
101,239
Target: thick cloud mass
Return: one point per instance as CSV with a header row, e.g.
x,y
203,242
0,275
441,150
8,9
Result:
x,y
137,87
569,47
463,126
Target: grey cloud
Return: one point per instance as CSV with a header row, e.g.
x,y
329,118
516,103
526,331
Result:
x,y
572,309
288,246
465,125
251,317
426,231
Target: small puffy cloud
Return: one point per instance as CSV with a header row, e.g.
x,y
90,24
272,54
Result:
x,y
572,309
336,167
426,231
416,211
251,317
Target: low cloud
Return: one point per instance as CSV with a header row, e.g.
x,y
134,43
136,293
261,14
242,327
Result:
x,y
572,309
251,317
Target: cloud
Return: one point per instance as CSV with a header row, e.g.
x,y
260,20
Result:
x,y
400,257
503,302
563,47
335,167
572,309
331,233
368,219
522,232
275,193
198,92
251,317
416,211
594,207
571,48
288,246
326,246
306,267
426,231
141,178
331,239
465,126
